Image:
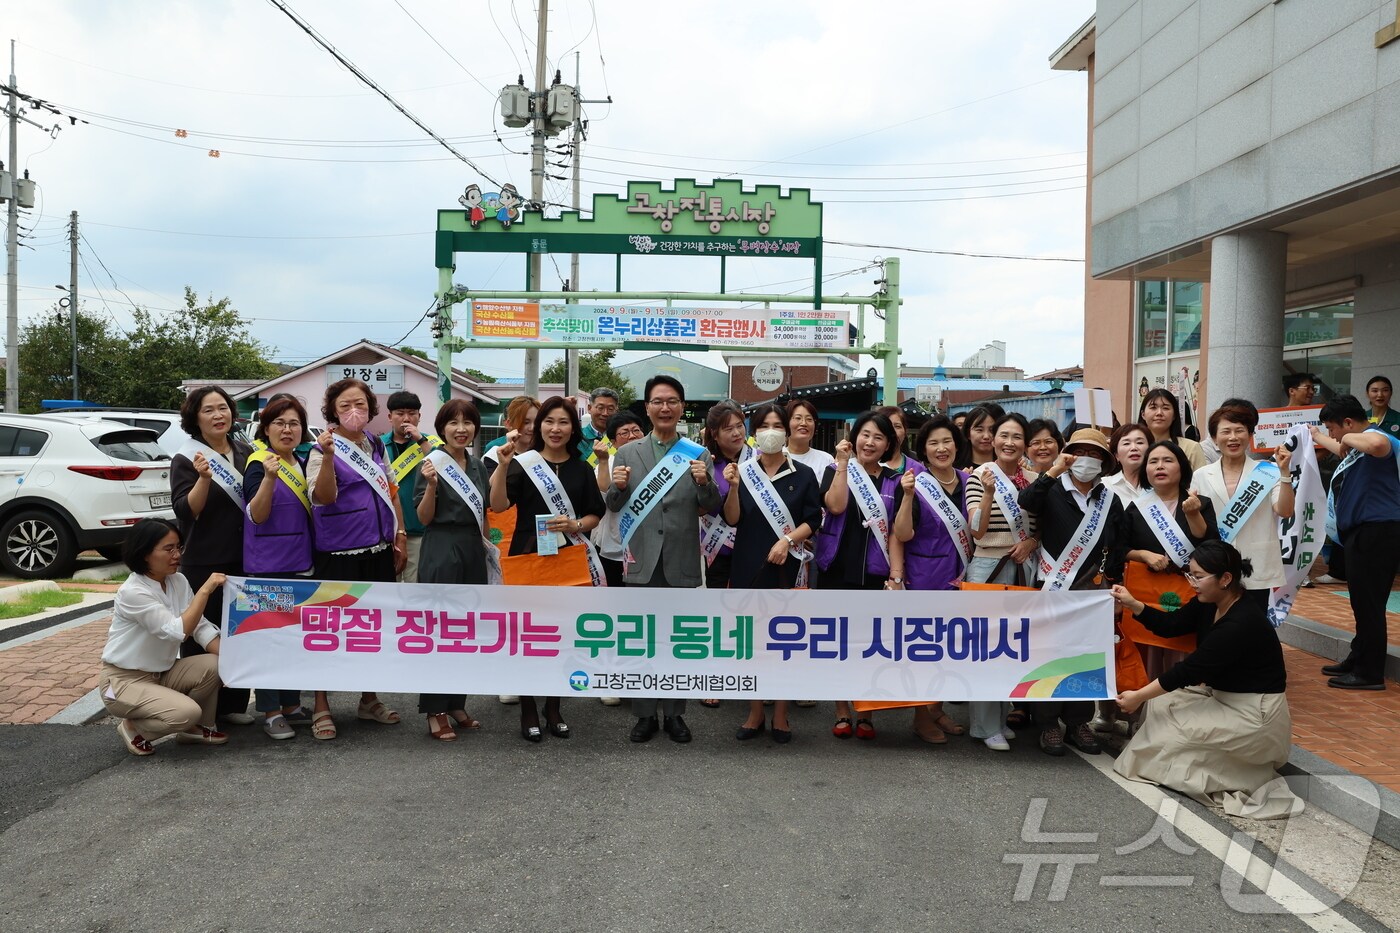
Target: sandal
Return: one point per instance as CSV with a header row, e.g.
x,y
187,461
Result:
x,y
842,729
322,725
134,741
465,720
1017,719
948,725
710,704
865,729
440,727
937,737
377,712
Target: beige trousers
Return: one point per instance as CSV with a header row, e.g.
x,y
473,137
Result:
x,y
159,704
410,567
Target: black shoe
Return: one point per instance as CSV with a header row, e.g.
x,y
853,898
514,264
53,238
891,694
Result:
x,y
782,736
1083,738
531,733
1341,667
1052,741
745,733
676,728
560,730
1355,681
644,729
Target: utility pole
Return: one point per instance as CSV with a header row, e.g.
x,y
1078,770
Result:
x,y
571,380
73,293
532,357
12,255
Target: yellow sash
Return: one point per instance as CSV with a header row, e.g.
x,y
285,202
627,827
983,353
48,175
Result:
x,y
407,461
294,480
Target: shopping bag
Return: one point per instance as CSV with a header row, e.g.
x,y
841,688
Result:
x,y
567,568
1165,591
1127,662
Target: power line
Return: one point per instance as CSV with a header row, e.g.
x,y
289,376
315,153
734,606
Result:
x,y
444,49
952,252
254,236
306,27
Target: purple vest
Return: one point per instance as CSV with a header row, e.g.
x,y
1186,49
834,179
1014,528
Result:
x,y
833,526
358,518
931,558
282,544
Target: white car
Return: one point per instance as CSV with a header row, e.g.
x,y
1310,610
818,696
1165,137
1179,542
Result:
x,y
67,486
165,423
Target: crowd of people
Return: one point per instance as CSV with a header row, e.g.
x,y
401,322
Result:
x,y
985,498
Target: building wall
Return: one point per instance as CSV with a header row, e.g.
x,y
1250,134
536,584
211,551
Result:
x,y
1376,325
310,389
1209,114
742,389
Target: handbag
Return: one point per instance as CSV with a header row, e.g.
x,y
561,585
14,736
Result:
x,y
567,568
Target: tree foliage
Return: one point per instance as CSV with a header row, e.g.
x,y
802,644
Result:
x,y
595,370
142,368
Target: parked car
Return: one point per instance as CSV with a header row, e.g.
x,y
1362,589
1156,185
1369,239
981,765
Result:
x,y
70,485
164,422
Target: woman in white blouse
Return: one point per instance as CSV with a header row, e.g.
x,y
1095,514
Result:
x,y
144,682
1233,482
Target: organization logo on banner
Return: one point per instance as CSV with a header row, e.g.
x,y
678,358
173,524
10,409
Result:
x,y
578,680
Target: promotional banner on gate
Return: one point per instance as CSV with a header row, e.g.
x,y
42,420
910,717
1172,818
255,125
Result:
x,y
736,644
594,324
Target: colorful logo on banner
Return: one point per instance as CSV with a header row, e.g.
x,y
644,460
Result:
x,y
578,680
265,605
1081,677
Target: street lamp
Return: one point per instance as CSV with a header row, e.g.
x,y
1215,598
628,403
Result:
x,y
68,302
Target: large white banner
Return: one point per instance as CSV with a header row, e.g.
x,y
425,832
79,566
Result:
x,y
737,644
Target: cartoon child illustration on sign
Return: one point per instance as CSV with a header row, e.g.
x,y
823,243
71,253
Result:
x,y
509,200
471,200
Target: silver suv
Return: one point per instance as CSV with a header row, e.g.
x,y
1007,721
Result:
x,y
66,486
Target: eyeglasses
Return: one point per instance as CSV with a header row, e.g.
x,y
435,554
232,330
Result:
x,y
1044,442
665,403
1198,578
286,424
171,549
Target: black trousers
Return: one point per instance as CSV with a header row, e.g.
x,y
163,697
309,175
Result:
x,y
1372,562
231,699
643,707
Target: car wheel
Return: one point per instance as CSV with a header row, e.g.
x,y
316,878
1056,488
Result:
x,y
37,544
113,553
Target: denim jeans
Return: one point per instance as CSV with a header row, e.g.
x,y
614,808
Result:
x,y
270,701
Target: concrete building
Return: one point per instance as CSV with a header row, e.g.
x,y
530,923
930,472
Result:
x,y
1243,210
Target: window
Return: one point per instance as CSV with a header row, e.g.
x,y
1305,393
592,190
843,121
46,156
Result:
x,y
1151,319
21,442
137,445
1168,319
1317,340
1186,317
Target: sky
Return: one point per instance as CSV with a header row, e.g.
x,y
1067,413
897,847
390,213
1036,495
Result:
x,y
932,126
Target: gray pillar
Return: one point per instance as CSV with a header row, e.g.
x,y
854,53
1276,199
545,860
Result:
x,y
1245,333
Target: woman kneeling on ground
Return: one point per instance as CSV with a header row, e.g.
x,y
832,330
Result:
x,y
143,682
1217,726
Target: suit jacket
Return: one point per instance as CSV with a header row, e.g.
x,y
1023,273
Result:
x,y
670,534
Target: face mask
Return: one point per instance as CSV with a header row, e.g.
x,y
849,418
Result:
x,y
354,420
1086,469
770,440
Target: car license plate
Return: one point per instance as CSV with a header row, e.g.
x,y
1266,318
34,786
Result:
x,y
160,502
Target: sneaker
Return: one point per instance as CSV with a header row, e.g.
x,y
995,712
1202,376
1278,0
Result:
x,y
508,699
1100,723
1306,584
1052,741
610,701
238,719
1008,733
201,735
276,727
1326,579
1083,738
301,716
997,743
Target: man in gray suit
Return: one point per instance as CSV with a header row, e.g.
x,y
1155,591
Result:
x,y
664,550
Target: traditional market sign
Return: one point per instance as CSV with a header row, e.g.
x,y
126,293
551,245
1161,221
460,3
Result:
x,y
597,325
690,218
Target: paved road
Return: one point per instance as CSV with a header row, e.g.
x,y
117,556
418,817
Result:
x,y
383,830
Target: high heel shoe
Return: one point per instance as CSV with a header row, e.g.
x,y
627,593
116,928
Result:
x,y
560,730
747,732
439,728
531,733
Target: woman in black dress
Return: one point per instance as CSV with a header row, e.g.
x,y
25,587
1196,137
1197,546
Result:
x,y
556,446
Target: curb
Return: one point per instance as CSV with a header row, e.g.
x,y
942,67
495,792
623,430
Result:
x,y
1329,642
38,625
1340,799
85,709
13,594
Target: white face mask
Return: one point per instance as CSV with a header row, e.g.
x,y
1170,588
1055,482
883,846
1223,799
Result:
x,y
1086,468
770,440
